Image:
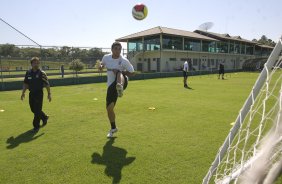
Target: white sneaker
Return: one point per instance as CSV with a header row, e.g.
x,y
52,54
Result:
x,y
111,132
119,88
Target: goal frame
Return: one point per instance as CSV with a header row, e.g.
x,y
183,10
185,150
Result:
x,y
274,56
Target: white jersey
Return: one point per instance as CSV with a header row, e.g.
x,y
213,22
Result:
x,y
121,64
185,66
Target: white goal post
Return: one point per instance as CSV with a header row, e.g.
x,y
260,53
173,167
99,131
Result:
x,y
261,81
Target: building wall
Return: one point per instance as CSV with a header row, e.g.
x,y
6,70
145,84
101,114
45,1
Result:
x,y
170,60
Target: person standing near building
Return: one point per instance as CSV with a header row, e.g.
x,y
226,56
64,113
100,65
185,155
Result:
x,y
221,71
185,73
118,68
35,80
62,71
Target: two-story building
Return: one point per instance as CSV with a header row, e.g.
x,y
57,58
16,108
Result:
x,y
162,49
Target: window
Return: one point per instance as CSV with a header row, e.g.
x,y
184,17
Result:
x,y
231,49
222,47
152,43
172,59
193,45
170,42
208,46
243,48
237,48
249,49
135,45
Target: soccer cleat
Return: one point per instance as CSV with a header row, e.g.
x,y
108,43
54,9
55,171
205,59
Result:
x,y
119,88
45,121
111,132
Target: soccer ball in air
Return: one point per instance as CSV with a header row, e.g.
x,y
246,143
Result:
x,y
140,11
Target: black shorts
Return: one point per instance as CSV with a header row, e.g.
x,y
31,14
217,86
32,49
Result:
x,y
185,74
112,91
221,71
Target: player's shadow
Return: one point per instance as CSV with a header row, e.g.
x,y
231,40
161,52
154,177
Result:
x,y
22,138
114,158
188,87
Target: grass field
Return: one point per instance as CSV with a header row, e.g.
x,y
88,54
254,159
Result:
x,y
9,75
58,76
25,64
175,143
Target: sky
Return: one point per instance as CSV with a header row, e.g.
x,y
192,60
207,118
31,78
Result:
x,y
97,23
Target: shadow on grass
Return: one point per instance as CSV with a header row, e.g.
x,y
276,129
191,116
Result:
x,y
22,138
187,87
114,158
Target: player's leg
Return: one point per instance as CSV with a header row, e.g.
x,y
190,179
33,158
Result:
x,y
185,79
37,108
32,108
111,114
111,101
120,78
120,83
112,119
44,117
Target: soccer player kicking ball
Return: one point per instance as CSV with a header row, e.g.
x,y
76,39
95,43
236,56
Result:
x,y
118,68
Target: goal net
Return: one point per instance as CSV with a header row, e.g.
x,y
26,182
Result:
x,y
252,151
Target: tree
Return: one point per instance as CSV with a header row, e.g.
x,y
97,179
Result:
x,y
64,52
7,50
50,53
83,55
30,52
76,65
75,52
265,41
95,53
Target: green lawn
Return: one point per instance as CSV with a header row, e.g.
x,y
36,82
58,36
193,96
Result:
x,y
53,65
58,76
25,64
175,143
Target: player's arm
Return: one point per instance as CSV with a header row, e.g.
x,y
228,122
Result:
x,y
103,63
49,93
46,85
25,86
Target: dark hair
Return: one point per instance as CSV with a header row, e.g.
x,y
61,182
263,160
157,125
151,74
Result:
x,y
34,59
116,44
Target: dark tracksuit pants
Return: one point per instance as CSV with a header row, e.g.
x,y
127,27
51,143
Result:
x,y
35,103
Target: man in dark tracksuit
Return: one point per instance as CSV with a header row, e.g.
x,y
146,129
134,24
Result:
x,y
221,71
35,80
